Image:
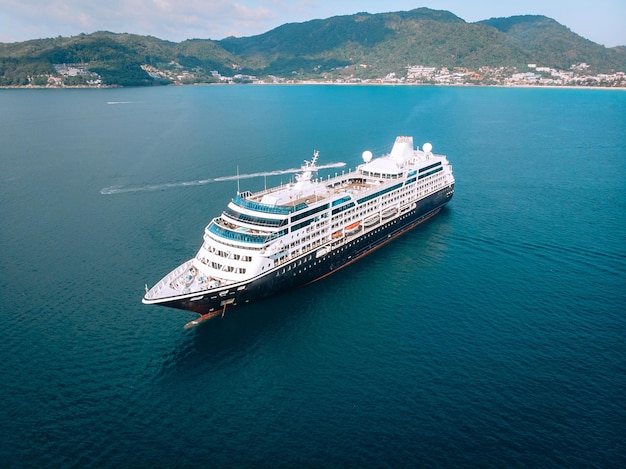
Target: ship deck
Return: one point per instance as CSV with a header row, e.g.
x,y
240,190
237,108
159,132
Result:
x,y
289,196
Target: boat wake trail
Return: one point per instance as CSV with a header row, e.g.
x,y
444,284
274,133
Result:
x,y
173,185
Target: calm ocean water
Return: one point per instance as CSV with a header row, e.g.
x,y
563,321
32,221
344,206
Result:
x,y
491,336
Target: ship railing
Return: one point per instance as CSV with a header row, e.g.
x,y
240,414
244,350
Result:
x,y
236,235
168,279
252,220
220,228
266,191
259,207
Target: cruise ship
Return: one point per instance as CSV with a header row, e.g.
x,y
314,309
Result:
x,y
280,238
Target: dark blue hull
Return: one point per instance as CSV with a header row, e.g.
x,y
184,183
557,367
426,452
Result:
x,y
313,266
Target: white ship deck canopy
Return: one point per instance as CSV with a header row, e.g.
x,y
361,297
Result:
x,y
285,196
382,166
292,194
401,152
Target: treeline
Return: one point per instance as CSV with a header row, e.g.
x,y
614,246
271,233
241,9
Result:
x,y
18,72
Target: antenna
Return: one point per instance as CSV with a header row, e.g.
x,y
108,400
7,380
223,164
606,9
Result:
x,y
316,153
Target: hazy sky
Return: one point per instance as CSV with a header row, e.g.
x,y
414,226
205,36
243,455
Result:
x,y
602,21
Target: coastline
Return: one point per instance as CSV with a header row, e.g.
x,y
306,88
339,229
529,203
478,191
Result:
x,y
320,83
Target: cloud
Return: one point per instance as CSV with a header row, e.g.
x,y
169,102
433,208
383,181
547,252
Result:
x,y
171,19
21,20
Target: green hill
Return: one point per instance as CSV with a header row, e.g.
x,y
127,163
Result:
x,y
547,42
387,42
361,45
117,58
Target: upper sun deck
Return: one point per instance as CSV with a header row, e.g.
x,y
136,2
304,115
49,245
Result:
x,y
292,198
285,199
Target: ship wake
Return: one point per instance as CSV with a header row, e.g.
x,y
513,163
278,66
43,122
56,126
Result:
x,y
201,182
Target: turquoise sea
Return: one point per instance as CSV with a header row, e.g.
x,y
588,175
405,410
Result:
x,y
493,335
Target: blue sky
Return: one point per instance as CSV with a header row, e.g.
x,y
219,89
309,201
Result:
x,y
602,21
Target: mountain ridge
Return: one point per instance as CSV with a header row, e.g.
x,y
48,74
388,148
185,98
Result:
x,y
361,45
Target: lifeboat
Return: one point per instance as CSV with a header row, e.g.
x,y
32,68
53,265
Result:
x,y
353,228
371,221
321,252
390,212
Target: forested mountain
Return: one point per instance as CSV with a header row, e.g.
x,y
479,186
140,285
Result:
x,y
552,44
117,58
363,44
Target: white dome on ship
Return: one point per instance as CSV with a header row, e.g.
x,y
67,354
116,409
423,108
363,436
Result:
x,y
367,156
427,147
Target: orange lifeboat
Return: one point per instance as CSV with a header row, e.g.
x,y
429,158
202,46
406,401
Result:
x,y
353,228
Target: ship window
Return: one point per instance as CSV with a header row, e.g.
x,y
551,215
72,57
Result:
x,y
426,168
258,207
315,210
235,235
343,208
254,220
340,201
302,225
421,176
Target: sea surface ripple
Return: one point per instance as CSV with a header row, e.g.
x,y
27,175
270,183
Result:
x,y
490,336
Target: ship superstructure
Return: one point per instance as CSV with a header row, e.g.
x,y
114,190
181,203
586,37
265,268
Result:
x,y
293,234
